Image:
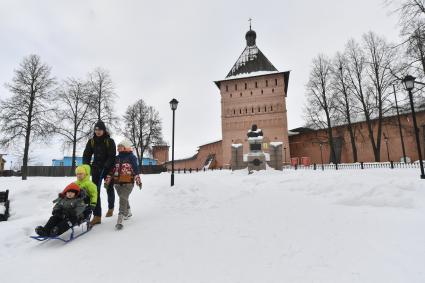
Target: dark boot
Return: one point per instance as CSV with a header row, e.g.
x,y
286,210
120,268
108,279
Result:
x,y
41,231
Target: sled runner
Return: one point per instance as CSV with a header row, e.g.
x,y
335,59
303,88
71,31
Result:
x,y
84,228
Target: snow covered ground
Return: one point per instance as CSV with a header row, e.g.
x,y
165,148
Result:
x,y
291,226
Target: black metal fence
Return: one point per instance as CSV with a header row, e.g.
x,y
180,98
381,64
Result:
x,y
66,171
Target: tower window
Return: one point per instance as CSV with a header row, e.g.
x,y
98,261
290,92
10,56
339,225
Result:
x,y
256,85
241,94
246,110
251,92
230,95
240,111
234,112
259,109
262,91
265,108
267,83
227,88
271,108
272,89
236,87
246,85
252,110
275,82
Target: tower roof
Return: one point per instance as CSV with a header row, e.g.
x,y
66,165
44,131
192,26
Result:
x,y
251,60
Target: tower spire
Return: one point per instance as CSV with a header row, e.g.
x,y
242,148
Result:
x,y
250,20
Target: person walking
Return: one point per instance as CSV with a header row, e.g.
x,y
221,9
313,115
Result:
x,y
124,173
102,148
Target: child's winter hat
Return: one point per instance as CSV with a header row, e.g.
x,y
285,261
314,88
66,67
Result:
x,y
71,188
126,144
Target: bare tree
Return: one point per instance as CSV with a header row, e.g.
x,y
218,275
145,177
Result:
x,y
27,114
379,56
345,102
102,96
320,108
410,11
73,113
360,85
142,127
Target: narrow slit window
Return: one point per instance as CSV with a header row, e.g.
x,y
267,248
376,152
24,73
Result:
x,y
275,82
246,85
236,87
227,88
256,85
267,83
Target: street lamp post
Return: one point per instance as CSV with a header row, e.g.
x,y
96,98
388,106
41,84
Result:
x,y
173,105
409,83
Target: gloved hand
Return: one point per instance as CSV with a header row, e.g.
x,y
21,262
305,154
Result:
x,y
138,182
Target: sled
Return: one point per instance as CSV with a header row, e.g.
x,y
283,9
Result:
x,y
85,228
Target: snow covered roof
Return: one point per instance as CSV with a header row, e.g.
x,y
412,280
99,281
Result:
x,y
251,60
252,63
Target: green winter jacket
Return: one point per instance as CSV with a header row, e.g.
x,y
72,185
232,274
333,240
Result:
x,y
88,185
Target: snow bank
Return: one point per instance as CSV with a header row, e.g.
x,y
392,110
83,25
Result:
x,y
223,226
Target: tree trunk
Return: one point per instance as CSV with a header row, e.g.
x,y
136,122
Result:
x,y
24,169
74,149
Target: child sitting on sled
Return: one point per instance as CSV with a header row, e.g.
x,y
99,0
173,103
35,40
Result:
x,y
124,172
68,211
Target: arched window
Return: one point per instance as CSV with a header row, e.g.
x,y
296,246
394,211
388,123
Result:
x,y
246,110
234,112
262,91
271,107
252,110
265,108
240,111
272,89
259,109
241,94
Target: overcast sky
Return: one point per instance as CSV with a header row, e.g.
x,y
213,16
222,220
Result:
x,y
157,50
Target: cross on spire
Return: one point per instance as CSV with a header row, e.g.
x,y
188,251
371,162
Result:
x,y
250,20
